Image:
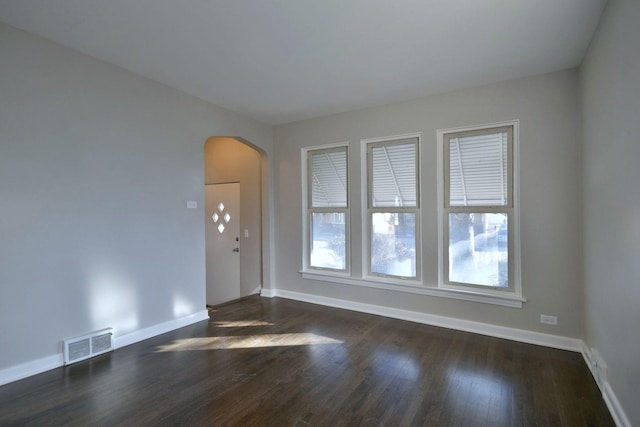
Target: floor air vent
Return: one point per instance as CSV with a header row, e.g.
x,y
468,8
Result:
x,y
86,346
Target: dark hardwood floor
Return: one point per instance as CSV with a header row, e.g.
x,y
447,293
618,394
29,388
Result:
x,y
276,362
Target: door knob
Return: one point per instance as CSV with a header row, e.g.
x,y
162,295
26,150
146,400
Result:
x,y
236,249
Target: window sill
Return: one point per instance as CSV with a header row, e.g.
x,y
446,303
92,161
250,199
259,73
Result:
x,y
509,300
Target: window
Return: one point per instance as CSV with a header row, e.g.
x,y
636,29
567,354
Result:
x,y
478,213
393,207
327,213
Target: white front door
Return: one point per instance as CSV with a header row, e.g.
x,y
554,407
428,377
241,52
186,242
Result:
x,y
222,210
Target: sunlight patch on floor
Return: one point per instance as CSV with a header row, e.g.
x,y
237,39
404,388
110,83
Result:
x,y
247,341
240,323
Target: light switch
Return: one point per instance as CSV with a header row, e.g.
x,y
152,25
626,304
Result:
x,y
192,205
246,232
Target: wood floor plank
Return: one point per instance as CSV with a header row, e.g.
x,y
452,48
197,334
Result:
x,y
276,362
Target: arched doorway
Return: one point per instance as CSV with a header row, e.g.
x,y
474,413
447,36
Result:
x,y
234,267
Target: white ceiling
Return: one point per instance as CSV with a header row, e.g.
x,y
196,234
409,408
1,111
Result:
x,y
280,61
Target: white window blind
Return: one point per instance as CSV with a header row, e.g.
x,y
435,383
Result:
x,y
393,174
478,170
329,179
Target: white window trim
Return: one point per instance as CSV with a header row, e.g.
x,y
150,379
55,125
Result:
x,y
306,268
408,286
516,293
412,287
364,212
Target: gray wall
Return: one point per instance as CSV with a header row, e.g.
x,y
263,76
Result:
x,y
96,167
610,79
228,160
547,107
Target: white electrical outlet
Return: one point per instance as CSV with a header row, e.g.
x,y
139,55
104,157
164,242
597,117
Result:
x,y
246,232
548,320
192,205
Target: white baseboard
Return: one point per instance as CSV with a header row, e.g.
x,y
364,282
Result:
x,y
268,293
521,335
610,398
618,414
159,329
34,367
28,369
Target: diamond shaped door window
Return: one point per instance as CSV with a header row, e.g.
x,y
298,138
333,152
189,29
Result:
x,y
216,217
